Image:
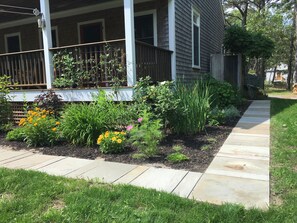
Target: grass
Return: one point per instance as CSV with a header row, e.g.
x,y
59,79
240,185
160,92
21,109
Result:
x,y
273,91
27,196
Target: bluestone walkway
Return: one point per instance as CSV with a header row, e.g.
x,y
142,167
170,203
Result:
x,y
238,174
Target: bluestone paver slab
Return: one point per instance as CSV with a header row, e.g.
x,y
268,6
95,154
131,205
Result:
x,y
8,155
65,166
251,152
257,120
47,163
132,175
252,131
246,140
29,161
253,126
107,171
14,158
218,189
160,179
186,186
242,168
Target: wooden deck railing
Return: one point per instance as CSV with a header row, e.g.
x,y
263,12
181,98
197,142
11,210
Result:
x,y
94,64
153,61
26,69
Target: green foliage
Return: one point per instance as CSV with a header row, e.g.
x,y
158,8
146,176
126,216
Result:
x,y
5,106
251,44
16,134
112,142
82,123
49,101
190,116
223,93
158,99
40,128
146,135
220,116
177,156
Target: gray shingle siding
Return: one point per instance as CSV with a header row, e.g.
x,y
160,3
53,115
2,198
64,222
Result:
x,y
211,35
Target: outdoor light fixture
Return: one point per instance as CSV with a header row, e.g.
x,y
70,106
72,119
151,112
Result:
x,y
41,23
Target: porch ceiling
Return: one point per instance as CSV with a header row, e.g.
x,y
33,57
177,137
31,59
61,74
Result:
x,y
56,6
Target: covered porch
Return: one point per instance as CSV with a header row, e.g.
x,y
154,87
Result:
x,y
109,40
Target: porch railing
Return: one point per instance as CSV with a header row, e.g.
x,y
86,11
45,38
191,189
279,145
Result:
x,y
26,69
153,61
95,64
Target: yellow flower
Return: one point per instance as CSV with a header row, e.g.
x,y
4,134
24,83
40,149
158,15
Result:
x,y
30,112
35,124
37,109
113,139
116,133
54,129
44,116
44,111
99,141
107,134
119,141
58,123
123,133
22,122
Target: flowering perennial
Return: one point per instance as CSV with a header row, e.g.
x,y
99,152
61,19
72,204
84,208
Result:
x,y
112,142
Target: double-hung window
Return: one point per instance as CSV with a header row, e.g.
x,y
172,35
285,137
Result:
x,y
196,38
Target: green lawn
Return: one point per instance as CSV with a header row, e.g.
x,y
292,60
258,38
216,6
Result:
x,y
35,197
271,91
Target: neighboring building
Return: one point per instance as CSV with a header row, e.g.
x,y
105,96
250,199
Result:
x,y
281,73
165,39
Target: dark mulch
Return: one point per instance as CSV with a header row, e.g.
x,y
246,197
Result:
x,y
200,148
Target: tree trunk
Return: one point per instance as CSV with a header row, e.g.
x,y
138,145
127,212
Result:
x,y
274,73
290,62
262,73
295,26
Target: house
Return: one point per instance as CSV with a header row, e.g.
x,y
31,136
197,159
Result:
x,y
165,39
277,74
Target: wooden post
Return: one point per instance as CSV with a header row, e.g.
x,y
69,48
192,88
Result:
x,y
172,38
47,42
130,42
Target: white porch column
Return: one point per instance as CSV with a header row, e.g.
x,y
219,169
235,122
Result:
x,y
172,38
47,42
130,42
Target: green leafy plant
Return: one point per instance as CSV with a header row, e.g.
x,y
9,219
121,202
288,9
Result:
x,y
220,116
190,117
146,135
112,142
5,106
16,134
40,128
82,122
158,99
177,156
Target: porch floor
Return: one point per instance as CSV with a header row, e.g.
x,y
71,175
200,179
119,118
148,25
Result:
x,y
238,174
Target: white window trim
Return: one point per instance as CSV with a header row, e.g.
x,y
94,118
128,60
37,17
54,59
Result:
x,y
155,22
194,11
90,22
57,37
11,35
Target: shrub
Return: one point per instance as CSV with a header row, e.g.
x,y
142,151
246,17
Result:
x,y
224,94
220,116
146,135
49,101
5,106
191,116
40,128
16,134
82,122
158,99
112,142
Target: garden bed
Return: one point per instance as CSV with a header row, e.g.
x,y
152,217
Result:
x,y
200,148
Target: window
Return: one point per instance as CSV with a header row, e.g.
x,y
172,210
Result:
x,y
196,38
90,32
144,28
13,42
